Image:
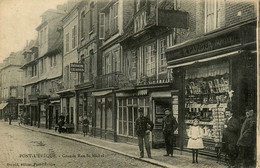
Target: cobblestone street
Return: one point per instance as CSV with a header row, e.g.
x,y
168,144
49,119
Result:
x,y
27,148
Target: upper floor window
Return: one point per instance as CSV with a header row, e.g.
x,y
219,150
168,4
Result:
x,y
213,14
67,42
82,24
74,36
53,60
162,57
140,21
91,25
108,21
112,61
149,58
45,35
113,18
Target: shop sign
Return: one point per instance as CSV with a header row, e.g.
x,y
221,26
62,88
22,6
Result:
x,y
207,45
76,67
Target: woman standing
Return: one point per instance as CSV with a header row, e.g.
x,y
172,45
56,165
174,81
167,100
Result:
x,y
195,139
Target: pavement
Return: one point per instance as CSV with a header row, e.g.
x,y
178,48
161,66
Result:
x,y
180,159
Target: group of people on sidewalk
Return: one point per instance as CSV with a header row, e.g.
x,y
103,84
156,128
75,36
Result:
x,y
238,141
143,127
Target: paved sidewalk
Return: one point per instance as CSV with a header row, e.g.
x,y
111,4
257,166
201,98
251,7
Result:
x,y
180,159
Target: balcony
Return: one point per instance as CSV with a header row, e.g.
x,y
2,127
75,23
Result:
x,y
112,80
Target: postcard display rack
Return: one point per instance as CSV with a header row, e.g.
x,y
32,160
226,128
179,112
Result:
x,y
206,97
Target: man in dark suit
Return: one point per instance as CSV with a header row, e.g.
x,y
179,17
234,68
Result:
x,y
247,141
143,126
169,126
230,137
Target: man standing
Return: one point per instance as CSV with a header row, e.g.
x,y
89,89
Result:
x,y
143,126
247,141
230,137
169,126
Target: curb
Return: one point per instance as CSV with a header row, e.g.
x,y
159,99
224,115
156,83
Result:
x,y
151,161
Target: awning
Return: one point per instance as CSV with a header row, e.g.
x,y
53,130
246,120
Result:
x,y
206,59
161,94
101,93
3,105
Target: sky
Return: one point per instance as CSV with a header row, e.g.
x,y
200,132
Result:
x,y
18,21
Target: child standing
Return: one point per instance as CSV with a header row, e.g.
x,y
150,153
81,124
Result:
x,y
195,140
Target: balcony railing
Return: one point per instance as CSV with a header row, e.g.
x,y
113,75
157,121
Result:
x,y
107,80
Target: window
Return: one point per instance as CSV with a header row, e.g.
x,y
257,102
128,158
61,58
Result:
x,y
149,60
162,57
127,114
140,21
41,38
74,36
91,26
108,62
213,14
67,42
42,66
102,26
25,70
111,20
45,35
112,61
83,22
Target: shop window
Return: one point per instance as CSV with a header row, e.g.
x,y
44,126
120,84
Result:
x,y
126,116
207,97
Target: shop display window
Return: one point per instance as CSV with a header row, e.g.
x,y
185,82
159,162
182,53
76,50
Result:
x,y
207,97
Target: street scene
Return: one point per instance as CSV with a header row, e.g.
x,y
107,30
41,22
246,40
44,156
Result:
x,y
134,83
26,148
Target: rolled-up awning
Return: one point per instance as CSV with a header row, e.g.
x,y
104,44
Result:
x,y
101,93
3,105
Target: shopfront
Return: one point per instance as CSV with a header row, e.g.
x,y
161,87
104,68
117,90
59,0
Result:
x,y
105,114
214,74
84,105
154,100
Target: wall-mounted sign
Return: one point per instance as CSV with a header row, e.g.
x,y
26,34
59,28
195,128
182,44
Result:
x,y
76,67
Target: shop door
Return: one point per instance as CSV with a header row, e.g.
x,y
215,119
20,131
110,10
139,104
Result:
x,y
50,116
103,119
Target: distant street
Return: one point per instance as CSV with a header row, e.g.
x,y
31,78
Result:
x,y
24,148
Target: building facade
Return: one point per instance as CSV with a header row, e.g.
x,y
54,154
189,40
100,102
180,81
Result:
x,y
11,85
214,67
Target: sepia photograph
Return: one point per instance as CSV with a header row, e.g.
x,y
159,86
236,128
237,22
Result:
x,y
129,83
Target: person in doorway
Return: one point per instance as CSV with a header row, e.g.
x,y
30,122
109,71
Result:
x,y
247,141
85,123
169,126
230,137
143,126
195,139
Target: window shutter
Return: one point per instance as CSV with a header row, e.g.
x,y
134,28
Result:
x,y
102,26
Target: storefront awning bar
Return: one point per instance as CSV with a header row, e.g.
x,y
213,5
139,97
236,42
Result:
x,y
205,60
204,54
101,93
166,94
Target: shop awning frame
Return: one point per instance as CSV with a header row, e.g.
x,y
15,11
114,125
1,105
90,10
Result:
x,y
101,93
206,59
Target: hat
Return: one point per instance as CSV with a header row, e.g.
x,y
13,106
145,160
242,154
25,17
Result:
x,y
140,110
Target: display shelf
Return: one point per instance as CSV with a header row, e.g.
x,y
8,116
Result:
x,y
200,123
